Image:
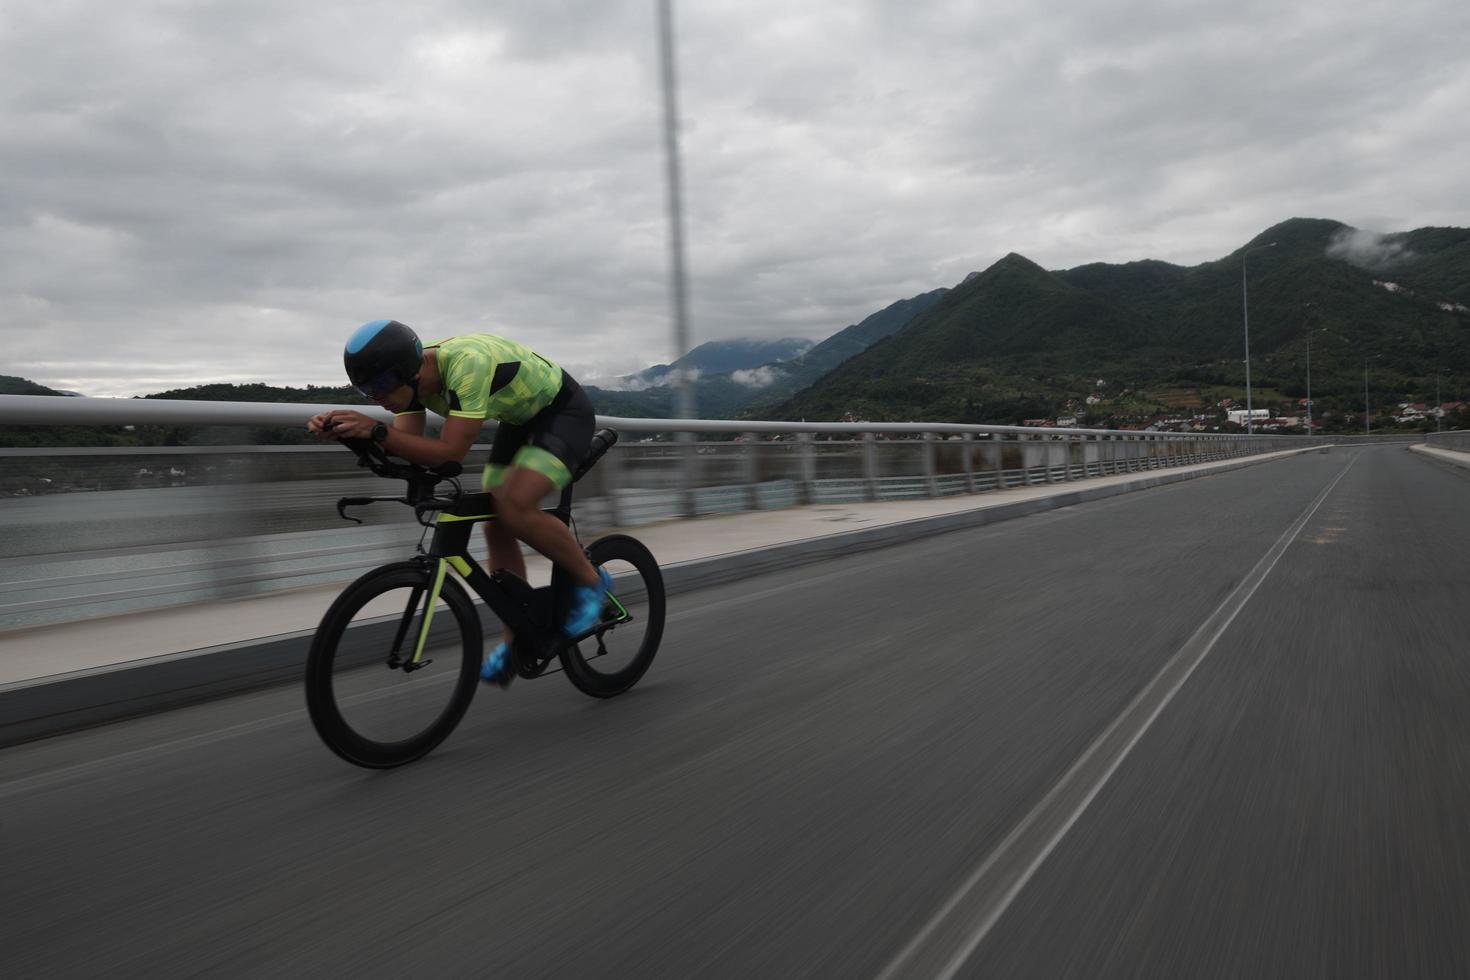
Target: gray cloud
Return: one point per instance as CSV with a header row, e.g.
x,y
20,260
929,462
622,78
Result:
x,y
221,191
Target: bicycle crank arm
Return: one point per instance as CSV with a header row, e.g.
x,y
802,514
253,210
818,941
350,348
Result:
x,y
600,628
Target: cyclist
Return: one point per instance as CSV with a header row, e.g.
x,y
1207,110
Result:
x,y
545,431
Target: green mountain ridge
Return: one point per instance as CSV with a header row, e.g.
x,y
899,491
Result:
x,y
859,336
1018,341
750,391
11,385
723,357
261,392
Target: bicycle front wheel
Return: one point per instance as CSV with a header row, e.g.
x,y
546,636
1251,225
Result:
x,y
389,674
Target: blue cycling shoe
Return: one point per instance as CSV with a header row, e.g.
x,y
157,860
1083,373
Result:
x,y
587,603
498,668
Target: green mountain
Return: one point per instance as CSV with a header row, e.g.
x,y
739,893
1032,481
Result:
x,y
11,385
996,333
1432,261
257,392
758,384
860,336
779,382
1018,341
715,397
722,357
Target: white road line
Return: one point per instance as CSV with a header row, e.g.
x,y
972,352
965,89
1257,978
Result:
x,y
954,932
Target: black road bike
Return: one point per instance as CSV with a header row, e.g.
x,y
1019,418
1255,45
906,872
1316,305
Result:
x,y
396,659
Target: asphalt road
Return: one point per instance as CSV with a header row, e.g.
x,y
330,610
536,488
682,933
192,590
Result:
x,y
1219,728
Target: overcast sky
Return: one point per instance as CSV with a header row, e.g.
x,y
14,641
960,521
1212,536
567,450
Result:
x,y
201,191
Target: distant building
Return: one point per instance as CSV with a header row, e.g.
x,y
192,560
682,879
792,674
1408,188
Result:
x,y
1239,415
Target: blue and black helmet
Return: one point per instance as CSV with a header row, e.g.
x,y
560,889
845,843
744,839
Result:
x,y
382,355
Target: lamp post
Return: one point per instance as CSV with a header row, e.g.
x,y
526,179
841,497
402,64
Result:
x,y
1246,316
678,276
1367,417
1309,307
684,389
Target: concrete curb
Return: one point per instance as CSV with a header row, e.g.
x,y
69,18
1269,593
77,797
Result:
x,y
53,705
1451,456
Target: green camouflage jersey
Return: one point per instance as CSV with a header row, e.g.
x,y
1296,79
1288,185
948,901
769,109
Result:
x,y
483,376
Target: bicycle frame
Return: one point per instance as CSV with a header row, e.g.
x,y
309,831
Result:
x,y
513,601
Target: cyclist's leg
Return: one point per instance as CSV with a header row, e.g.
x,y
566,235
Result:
x,y
505,553
518,508
558,440
505,549
552,444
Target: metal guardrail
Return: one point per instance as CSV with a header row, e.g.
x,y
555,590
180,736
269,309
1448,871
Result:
x,y
52,410
97,531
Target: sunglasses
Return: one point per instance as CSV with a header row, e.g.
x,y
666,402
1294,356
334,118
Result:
x,y
379,385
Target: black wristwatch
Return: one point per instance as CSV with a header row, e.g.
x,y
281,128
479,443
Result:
x,y
380,433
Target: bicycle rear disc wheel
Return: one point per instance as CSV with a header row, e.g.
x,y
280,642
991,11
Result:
x,y
364,705
613,659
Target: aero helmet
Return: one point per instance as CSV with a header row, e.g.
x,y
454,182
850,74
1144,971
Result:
x,y
382,355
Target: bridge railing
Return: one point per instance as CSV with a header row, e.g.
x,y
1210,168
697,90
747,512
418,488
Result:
x,y
94,531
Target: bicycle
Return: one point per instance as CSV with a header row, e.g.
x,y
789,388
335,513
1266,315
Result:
x,y
372,689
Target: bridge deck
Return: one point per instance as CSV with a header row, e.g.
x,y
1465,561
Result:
x,y
924,761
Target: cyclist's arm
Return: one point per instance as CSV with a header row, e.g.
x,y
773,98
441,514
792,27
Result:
x,y
454,441
410,422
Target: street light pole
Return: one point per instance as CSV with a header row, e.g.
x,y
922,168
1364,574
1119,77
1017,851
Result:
x,y
684,388
1246,317
678,275
1367,418
1309,382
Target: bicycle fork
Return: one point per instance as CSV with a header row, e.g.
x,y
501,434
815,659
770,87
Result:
x,y
416,662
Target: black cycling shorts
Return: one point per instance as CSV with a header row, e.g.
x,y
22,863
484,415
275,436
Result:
x,y
553,443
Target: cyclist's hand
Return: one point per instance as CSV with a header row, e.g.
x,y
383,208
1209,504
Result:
x,y
317,425
342,424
